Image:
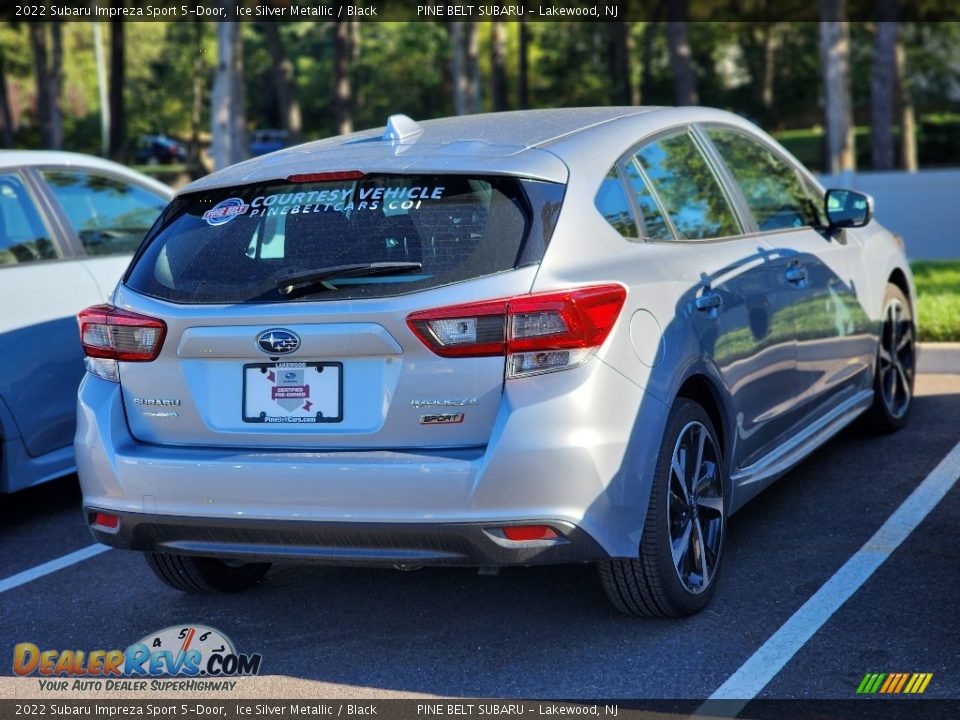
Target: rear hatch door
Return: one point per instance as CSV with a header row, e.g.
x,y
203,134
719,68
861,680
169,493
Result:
x,y
286,308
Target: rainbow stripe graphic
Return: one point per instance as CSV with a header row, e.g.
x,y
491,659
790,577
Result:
x,y
890,683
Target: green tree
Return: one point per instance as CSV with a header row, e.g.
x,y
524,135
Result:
x,y
227,104
118,133
684,81
835,59
284,83
48,74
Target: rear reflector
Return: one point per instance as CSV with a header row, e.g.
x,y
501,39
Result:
x,y
114,334
326,176
522,533
537,333
106,520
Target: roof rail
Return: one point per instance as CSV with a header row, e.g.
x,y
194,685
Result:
x,y
400,128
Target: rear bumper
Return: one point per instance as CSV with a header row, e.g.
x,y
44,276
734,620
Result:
x,y
574,450
374,544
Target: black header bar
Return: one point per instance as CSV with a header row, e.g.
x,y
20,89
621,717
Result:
x,y
453,11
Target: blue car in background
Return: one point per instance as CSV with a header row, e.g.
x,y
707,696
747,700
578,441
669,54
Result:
x,y
158,150
267,141
68,227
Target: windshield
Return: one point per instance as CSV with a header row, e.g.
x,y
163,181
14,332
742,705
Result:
x,y
235,245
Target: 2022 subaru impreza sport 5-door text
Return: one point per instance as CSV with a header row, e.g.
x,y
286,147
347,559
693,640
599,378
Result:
x,y
584,335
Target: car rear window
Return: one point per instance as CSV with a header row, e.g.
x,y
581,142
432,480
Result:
x,y
234,245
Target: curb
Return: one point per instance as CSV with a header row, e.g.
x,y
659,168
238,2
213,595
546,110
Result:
x,y
938,358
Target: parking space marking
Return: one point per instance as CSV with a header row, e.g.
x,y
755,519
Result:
x,y
46,568
770,658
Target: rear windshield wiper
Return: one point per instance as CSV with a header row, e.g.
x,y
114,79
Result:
x,y
310,278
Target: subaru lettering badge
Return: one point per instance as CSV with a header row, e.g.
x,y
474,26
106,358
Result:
x,y
277,341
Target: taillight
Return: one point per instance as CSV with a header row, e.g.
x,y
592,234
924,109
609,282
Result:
x,y
537,333
109,334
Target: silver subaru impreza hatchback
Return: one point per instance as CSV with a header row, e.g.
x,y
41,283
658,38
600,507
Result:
x,y
558,336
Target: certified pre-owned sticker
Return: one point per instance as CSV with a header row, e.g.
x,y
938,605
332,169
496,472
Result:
x,y
441,419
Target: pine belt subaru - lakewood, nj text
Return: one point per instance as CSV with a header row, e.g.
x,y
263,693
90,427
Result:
x,y
556,336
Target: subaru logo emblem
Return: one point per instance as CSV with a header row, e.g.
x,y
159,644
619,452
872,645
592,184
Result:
x,y
277,341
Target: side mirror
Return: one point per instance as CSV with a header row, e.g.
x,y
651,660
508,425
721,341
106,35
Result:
x,y
848,208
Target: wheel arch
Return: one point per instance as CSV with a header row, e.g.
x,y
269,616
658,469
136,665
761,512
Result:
x,y
899,278
702,390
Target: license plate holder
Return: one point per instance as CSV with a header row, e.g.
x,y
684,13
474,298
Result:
x,y
302,393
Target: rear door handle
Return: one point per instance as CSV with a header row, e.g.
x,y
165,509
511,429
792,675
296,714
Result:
x,y
709,302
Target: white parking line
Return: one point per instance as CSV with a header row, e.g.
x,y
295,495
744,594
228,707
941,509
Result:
x,y
747,682
49,567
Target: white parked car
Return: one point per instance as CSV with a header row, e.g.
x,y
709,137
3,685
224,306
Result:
x,y
68,226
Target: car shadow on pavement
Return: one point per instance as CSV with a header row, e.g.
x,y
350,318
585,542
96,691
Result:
x,y
39,502
547,631
528,632
40,524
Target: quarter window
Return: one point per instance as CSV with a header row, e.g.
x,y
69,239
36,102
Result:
x,y
613,204
110,216
23,238
655,227
771,186
687,188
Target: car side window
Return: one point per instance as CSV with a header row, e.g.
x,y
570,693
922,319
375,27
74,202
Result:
x,y
772,188
613,204
687,188
815,197
655,227
109,215
23,237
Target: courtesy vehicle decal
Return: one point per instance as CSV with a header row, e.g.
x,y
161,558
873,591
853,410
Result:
x,y
346,199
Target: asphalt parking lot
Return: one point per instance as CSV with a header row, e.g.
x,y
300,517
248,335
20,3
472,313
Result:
x,y
548,632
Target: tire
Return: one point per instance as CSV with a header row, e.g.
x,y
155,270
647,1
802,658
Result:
x,y
204,576
656,584
896,364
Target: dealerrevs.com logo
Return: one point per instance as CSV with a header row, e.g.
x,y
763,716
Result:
x,y
191,651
